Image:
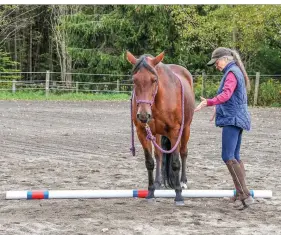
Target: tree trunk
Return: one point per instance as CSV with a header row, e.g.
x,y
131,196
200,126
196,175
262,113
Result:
x,y
51,65
234,32
30,52
15,48
68,69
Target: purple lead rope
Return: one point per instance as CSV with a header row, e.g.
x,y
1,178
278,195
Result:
x,y
133,149
147,128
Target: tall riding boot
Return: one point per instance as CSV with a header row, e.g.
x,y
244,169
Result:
x,y
243,197
234,198
242,167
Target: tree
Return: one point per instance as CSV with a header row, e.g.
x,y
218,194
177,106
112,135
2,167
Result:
x,y
248,28
99,36
8,67
59,18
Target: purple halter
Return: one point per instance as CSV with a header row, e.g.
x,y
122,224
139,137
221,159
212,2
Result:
x,y
151,102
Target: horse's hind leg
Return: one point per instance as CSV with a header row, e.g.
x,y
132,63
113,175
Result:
x,y
158,157
175,173
183,153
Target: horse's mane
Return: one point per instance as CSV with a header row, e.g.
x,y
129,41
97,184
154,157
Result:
x,y
141,62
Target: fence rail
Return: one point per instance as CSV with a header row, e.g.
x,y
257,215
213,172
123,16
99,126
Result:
x,y
60,86
107,83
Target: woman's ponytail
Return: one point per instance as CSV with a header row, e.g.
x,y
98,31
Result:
x,y
240,64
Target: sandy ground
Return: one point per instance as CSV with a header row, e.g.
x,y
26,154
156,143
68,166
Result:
x,y
85,145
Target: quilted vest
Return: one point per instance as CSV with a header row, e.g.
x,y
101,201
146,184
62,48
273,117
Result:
x,y
235,110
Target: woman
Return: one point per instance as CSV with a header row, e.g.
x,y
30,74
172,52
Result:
x,y
232,115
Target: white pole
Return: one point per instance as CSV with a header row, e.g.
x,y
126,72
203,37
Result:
x,y
76,194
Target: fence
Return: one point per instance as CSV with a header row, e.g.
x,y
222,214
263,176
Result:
x,y
204,85
107,83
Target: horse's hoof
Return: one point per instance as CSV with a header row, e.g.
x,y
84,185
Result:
x,y
179,203
151,200
183,185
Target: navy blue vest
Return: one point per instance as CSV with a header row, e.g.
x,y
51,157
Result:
x,y
235,110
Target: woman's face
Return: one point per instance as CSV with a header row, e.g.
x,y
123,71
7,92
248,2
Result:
x,y
220,64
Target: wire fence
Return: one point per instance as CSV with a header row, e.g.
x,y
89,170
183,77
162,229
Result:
x,y
204,85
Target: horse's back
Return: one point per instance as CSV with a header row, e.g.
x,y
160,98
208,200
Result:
x,y
183,72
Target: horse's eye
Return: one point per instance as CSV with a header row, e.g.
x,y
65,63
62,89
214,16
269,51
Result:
x,y
154,80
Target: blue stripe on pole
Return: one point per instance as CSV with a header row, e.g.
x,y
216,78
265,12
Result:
x,y
46,195
234,191
29,195
252,193
135,193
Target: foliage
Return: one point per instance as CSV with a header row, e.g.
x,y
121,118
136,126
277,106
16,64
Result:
x,y
269,93
210,87
106,37
206,27
93,38
7,67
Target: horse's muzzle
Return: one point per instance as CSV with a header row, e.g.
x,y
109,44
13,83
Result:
x,y
144,118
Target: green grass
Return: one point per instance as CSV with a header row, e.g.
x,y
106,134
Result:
x,y
40,95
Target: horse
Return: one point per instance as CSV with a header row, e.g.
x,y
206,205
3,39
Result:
x,y
163,105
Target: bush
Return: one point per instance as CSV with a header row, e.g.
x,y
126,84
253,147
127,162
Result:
x,y
7,70
269,93
210,88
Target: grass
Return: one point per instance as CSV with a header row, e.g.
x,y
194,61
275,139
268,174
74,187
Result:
x,y
40,95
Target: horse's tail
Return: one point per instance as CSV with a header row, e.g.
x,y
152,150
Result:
x,y
167,172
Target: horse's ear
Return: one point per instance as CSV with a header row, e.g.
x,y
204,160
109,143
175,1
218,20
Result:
x,y
158,58
131,58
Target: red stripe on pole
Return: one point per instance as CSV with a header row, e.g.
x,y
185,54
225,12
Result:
x,y
142,193
37,195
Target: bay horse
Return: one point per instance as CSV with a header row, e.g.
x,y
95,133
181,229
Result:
x,y
159,107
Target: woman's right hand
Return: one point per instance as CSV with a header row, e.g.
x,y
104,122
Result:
x,y
201,105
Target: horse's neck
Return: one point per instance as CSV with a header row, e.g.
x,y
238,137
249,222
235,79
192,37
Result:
x,y
167,87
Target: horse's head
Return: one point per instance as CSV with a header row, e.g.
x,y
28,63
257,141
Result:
x,y
145,80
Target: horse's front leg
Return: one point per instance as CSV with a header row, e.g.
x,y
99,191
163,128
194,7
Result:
x,y
149,161
158,157
183,153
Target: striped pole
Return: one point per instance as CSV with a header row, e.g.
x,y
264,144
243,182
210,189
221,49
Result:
x,y
76,194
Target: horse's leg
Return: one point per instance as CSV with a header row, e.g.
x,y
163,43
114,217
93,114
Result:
x,y
183,153
175,164
158,157
149,161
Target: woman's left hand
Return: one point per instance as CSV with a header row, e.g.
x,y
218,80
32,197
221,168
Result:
x,y
201,105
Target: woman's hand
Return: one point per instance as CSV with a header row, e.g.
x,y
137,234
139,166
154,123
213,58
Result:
x,y
201,105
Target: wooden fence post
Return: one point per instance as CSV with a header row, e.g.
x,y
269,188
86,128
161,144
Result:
x,y
257,83
47,85
203,84
14,86
77,87
118,85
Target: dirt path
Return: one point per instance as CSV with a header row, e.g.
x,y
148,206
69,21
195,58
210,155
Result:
x,y
85,145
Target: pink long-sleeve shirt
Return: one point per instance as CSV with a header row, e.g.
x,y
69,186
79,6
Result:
x,y
227,91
